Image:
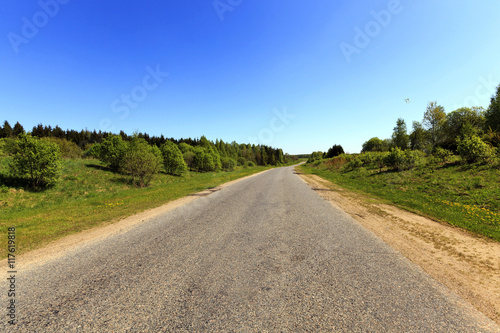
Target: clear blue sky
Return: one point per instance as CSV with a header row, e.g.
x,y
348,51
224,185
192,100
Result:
x,y
235,65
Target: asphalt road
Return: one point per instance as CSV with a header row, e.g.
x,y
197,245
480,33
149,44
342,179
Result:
x,y
265,254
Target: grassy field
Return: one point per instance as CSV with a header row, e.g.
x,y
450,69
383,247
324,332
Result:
x,y
467,196
89,195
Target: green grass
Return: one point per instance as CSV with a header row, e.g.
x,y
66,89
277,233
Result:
x,y
89,195
467,196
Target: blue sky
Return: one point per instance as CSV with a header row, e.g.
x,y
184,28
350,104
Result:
x,y
297,75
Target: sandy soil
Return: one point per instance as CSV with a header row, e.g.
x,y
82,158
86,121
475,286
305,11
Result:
x,y
467,264
60,247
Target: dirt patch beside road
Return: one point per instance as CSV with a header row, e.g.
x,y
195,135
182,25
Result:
x,y
467,264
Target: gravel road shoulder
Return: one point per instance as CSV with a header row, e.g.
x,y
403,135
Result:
x,y
467,264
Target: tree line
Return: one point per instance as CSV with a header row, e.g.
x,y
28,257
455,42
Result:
x,y
36,155
473,133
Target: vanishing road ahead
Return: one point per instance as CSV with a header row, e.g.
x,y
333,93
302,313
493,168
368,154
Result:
x,y
264,254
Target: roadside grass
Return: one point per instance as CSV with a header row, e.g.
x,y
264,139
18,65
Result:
x,y
89,195
466,196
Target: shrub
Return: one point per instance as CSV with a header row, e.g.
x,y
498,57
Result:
x,y
35,159
412,158
188,158
112,151
315,156
141,161
93,150
173,159
228,164
379,160
250,164
473,149
68,149
8,146
184,147
443,154
395,159
353,164
366,158
241,161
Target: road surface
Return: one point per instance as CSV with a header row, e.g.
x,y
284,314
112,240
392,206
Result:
x,y
264,254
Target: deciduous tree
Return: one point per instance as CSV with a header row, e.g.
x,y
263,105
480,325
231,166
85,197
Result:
x,y
37,160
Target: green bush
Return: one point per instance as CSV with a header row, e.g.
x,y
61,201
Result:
x,y
412,158
173,159
112,151
206,159
395,159
315,156
379,160
241,161
353,164
366,159
141,161
228,164
92,150
250,164
188,158
442,154
7,146
473,149
37,160
68,149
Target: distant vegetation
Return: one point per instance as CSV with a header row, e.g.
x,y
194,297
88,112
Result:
x,y
448,167
139,156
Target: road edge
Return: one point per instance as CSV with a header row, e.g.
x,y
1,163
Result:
x,y
61,246
434,247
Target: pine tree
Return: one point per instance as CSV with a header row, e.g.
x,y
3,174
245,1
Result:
x,y
6,130
18,129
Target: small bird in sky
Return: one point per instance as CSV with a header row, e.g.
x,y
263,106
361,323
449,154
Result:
x,y
407,100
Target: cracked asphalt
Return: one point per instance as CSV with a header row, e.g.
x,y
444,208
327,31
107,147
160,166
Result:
x,y
264,254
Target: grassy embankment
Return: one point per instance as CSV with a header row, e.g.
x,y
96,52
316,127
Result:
x,y
89,195
467,196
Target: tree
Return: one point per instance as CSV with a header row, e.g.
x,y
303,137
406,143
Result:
x,y
418,137
434,118
400,136
228,164
315,156
67,148
38,160
462,123
336,150
112,150
6,130
203,160
374,144
141,161
173,159
18,129
493,112
473,149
